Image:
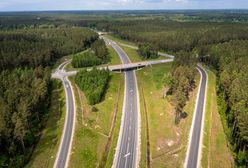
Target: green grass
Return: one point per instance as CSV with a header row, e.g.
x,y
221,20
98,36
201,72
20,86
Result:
x,y
45,152
117,128
114,57
92,128
143,159
168,142
132,53
215,151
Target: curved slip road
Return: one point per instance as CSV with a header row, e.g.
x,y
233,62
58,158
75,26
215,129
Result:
x,y
193,156
127,152
63,154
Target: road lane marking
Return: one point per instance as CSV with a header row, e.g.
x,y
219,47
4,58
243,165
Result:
x,y
126,155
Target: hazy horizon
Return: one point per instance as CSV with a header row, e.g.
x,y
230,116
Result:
x,y
81,5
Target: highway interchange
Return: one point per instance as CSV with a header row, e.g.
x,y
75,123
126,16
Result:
x,y
128,147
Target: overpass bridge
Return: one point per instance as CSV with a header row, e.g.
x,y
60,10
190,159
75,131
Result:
x,y
136,65
114,68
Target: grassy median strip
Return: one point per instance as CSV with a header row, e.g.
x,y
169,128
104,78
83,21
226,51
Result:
x,y
168,142
45,152
114,57
94,124
215,150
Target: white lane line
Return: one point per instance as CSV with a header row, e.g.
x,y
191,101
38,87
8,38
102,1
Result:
x,y
126,155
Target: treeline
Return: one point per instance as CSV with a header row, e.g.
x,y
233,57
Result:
x,y
173,36
147,51
231,62
98,54
93,83
55,19
41,47
24,99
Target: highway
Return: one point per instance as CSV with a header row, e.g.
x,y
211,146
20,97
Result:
x,y
127,151
193,156
63,154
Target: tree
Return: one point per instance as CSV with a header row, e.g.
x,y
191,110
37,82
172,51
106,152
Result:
x,y
100,50
147,51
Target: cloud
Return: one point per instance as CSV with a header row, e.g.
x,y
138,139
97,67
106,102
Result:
x,y
153,1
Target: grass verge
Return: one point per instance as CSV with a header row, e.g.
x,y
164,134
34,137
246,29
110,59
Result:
x,y
114,57
93,128
215,151
45,152
168,142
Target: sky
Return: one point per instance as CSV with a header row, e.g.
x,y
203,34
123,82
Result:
x,y
40,5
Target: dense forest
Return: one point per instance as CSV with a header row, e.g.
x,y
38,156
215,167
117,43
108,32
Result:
x,y
96,55
41,47
62,19
175,36
231,61
85,59
25,85
93,83
24,99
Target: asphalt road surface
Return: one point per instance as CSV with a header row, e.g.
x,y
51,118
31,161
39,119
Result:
x,y
127,152
66,140
194,150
